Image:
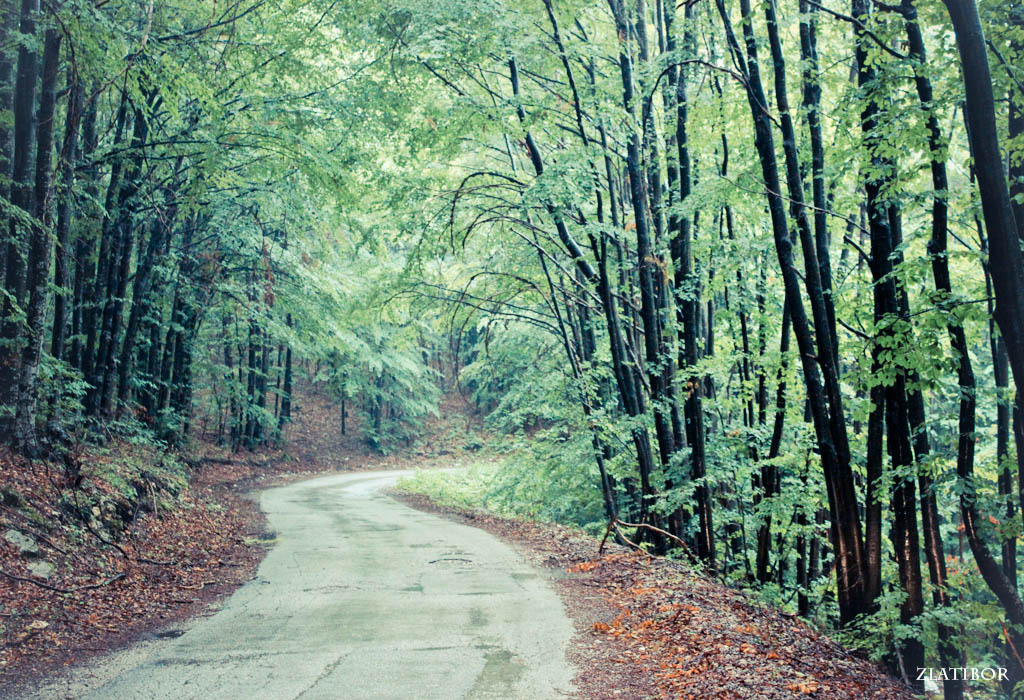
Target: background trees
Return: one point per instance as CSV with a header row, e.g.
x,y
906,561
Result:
x,y
731,264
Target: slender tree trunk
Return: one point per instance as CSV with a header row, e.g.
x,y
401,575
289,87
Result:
x,y
882,218
97,315
1006,259
8,25
11,320
846,529
69,155
125,247
39,249
811,84
84,243
286,395
142,301
645,257
935,554
687,289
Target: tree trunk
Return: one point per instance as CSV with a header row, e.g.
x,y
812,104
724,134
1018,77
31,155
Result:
x,y
286,394
687,289
21,198
125,246
846,531
1006,261
948,654
40,246
69,155
96,315
142,301
84,243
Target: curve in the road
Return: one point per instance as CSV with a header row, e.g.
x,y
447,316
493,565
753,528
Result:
x,y
360,597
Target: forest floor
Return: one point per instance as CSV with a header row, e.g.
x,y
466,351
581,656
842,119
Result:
x,y
645,628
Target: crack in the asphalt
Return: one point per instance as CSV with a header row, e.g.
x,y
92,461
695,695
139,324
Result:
x,y
328,670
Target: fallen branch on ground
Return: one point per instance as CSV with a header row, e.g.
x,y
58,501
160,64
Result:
x,y
55,589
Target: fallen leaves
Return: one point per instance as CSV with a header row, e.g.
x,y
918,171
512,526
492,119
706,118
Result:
x,y
99,594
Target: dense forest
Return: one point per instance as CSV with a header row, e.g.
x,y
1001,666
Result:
x,y
744,277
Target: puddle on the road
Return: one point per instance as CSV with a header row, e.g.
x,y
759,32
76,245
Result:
x,y
499,676
478,618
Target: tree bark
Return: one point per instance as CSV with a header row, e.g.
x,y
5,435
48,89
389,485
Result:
x,y
68,158
1007,270
11,333
40,247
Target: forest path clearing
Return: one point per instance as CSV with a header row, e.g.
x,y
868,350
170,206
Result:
x,y
360,597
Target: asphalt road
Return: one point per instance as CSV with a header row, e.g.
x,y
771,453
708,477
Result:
x,y
360,597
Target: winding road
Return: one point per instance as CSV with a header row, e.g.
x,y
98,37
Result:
x,y
360,597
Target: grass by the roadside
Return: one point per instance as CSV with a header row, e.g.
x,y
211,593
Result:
x,y
506,486
467,487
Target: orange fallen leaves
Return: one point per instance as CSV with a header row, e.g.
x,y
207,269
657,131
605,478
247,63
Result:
x,y
807,688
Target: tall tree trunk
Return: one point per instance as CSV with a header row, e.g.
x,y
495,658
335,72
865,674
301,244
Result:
x,y
811,84
1007,270
21,198
687,289
1006,260
142,301
889,307
8,25
935,554
846,531
39,249
97,315
125,246
646,262
84,243
286,394
68,158
40,246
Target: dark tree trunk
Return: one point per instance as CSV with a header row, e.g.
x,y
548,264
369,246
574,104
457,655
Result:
x,y
229,365
21,198
770,476
827,344
39,249
125,247
142,301
846,531
286,394
84,243
1007,272
96,312
8,25
811,84
882,220
645,261
687,289
1006,259
934,552
65,206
